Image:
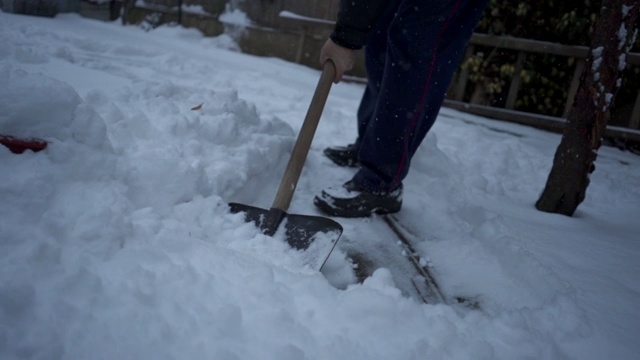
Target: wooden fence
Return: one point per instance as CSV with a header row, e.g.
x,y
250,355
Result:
x,y
525,47
296,29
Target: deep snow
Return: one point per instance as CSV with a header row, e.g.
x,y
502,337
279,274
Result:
x,y
116,241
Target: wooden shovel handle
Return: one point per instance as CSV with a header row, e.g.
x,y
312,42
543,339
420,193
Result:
x,y
303,143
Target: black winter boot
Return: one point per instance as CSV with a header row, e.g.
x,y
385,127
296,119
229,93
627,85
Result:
x,y
343,155
350,200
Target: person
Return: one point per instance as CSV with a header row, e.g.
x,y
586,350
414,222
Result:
x,y
412,50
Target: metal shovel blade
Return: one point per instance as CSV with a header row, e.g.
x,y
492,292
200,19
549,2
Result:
x,y
315,236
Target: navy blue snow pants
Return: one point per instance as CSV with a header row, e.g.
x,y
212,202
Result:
x,y
410,60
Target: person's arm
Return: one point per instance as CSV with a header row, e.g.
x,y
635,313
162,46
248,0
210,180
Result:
x,y
356,19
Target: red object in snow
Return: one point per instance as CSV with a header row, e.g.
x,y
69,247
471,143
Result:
x,y
18,146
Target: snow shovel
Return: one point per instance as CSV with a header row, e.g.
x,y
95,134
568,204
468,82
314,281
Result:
x,y
314,235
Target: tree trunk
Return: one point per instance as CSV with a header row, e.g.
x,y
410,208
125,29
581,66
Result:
x,y
614,35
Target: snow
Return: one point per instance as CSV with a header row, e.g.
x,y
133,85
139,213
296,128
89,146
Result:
x,y
292,15
194,9
597,61
234,16
622,61
607,99
622,36
116,241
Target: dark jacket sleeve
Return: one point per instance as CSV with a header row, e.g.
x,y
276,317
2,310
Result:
x,y
356,19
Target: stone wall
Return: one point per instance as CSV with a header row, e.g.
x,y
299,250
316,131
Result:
x,y
40,7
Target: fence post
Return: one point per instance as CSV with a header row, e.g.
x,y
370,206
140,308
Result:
x,y
300,50
634,123
515,81
179,12
463,77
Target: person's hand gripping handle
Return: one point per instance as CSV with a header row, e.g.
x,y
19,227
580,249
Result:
x,y
342,57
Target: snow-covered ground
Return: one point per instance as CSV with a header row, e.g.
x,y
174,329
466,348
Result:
x,y
116,241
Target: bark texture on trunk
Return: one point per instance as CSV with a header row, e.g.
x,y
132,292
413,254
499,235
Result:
x,y
614,34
